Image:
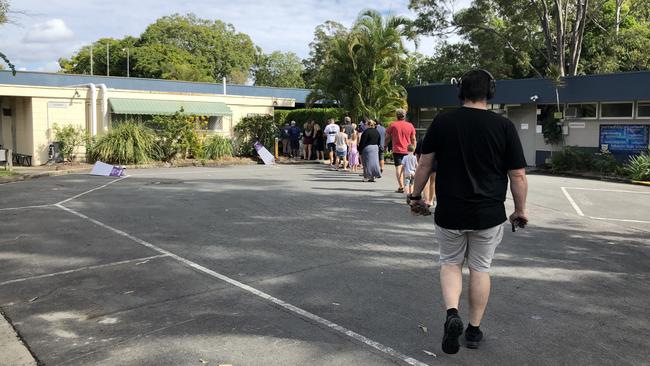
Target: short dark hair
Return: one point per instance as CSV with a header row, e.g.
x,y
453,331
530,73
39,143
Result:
x,y
475,85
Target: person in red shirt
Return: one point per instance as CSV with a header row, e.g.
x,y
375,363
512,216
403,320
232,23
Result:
x,y
402,134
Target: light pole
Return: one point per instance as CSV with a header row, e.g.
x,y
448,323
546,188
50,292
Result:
x,y
91,59
127,61
108,61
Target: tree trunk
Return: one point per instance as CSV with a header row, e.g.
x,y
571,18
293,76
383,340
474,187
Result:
x,y
578,35
619,5
544,19
560,17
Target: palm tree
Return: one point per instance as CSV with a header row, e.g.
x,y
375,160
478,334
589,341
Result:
x,y
362,65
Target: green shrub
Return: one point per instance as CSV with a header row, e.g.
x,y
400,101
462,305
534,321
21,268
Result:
x,y
255,128
177,135
571,159
217,147
605,163
127,143
280,117
71,137
301,116
638,167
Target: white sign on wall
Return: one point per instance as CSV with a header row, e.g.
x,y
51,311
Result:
x,y
538,129
577,124
524,126
57,105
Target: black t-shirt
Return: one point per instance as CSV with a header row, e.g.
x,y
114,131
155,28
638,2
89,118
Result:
x,y
474,149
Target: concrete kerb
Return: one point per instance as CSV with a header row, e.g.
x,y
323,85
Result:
x,y
46,173
589,176
14,351
86,169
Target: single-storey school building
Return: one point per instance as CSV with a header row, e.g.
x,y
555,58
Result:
x,y
598,112
32,102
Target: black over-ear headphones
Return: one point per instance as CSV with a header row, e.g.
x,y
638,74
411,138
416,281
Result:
x,y
492,89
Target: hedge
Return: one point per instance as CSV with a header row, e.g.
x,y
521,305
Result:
x,y
301,116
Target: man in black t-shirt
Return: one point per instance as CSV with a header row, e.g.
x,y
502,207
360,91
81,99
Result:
x,y
477,151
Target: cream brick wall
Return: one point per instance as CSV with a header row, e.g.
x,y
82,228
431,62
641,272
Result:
x,y
46,112
36,110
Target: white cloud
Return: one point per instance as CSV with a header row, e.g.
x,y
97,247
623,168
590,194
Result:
x,y
284,25
52,66
52,31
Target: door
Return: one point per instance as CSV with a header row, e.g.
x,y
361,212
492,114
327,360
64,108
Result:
x,y
7,128
525,119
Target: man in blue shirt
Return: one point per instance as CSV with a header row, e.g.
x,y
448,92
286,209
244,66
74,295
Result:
x,y
294,136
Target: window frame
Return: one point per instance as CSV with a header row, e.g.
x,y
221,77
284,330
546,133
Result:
x,y
567,106
636,109
600,114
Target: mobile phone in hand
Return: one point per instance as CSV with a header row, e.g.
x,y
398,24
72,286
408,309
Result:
x,y
518,223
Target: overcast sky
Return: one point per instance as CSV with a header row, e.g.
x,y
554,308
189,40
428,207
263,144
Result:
x,y
46,30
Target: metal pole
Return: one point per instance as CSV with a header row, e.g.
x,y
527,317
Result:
x,y
91,59
127,63
108,61
10,160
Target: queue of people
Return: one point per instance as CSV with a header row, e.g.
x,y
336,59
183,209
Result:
x,y
359,148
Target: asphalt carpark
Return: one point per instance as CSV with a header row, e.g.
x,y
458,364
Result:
x,y
297,265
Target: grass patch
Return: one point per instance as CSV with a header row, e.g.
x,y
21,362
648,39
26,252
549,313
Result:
x,y
6,173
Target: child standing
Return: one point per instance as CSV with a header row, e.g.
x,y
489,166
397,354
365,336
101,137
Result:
x,y
410,163
341,141
354,152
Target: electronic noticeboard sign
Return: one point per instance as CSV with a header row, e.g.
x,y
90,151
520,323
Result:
x,y
624,138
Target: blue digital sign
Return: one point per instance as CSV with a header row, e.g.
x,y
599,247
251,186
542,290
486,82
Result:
x,y
625,138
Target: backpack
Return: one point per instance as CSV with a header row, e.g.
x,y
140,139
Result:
x,y
285,133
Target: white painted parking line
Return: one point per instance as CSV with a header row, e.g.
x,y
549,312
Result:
x,y
289,307
572,202
620,220
607,190
24,207
86,268
580,213
90,190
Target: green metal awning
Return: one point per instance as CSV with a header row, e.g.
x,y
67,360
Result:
x,y
167,107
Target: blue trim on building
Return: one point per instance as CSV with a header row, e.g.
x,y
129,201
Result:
x,y
116,82
628,86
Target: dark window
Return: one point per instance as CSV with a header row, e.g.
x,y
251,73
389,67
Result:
x,y
613,110
587,110
6,112
215,124
643,109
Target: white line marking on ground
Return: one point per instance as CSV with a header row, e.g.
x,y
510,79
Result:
x,y
572,202
606,190
579,211
81,269
89,191
294,309
24,207
621,220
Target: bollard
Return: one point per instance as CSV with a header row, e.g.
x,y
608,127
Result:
x,y
276,149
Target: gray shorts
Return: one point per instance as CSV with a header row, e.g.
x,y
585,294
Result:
x,y
477,246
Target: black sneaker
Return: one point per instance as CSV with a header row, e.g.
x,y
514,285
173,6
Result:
x,y
453,330
473,338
